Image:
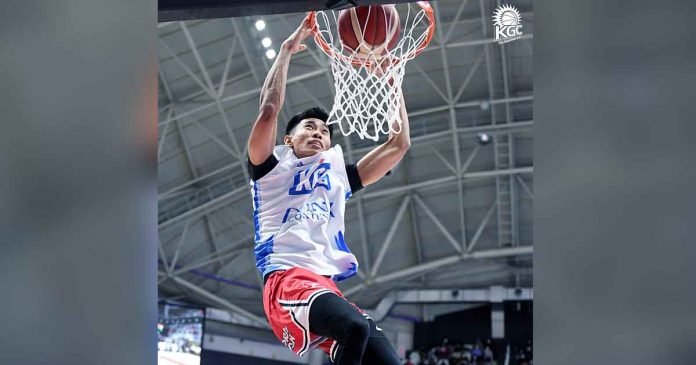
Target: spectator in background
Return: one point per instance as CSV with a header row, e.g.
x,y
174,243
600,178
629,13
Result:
x,y
415,357
456,356
520,357
488,354
407,361
481,353
432,358
528,350
443,353
466,354
477,352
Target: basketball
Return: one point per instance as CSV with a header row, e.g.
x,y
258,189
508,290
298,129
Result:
x,y
509,18
369,29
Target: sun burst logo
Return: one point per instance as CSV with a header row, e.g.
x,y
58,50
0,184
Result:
x,y
508,23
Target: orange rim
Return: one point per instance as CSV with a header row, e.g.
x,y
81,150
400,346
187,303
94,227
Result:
x,y
329,51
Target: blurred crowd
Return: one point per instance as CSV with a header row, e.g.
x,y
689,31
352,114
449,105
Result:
x,y
477,353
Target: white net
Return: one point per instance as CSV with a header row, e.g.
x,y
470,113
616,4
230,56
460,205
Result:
x,y
367,80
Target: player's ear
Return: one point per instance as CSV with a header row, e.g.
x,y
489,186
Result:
x,y
287,140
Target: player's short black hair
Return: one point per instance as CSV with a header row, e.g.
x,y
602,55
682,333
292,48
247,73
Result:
x,y
315,112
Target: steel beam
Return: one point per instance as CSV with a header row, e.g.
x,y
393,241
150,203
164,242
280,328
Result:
x,y
197,57
215,139
454,22
237,245
214,95
446,180
226,68
445,261
470,104
193,172
190,99
160,143
430,81
460,186
481,227
178,247
390,235
254,92
468,78
213,238
220,301
217,259
187,69
169,192
525,187
205,208
162,255
453,124
444,160
465,167
437,223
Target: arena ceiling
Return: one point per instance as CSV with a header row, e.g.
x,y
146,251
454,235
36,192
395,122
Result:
x,y
452,214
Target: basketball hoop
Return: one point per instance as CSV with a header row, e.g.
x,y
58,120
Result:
x,y
367,83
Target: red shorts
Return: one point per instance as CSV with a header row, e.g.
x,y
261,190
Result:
x,y
287,298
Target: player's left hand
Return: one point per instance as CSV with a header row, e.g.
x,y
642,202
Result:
x,y
294,42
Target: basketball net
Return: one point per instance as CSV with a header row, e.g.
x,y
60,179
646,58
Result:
x,y
367,99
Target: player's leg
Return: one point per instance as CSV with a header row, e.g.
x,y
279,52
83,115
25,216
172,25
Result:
x,y
334,317
378,350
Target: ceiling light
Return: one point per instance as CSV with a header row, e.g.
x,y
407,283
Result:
x,y
266,42
260,24
270,54
483,139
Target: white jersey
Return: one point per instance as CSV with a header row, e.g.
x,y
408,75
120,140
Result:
x,y
298,214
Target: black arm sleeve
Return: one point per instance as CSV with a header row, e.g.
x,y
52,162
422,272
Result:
x,y
353,178
257,172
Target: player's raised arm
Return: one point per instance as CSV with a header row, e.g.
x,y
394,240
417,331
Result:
x,y
263,134
384,157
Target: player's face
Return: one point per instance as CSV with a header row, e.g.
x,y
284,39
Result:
x,y
310,137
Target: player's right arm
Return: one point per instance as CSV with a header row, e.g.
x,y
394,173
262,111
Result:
x,y
263,133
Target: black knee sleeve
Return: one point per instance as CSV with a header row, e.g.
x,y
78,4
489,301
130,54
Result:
x,y
334,317
355,327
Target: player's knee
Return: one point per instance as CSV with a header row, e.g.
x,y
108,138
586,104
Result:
x,y
357,328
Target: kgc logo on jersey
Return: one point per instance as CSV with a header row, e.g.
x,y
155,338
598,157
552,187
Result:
x,y
314,177
508,24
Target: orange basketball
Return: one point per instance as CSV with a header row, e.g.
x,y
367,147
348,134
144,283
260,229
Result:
x,y
369,29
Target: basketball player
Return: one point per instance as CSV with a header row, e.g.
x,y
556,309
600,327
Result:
x,y
299,194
